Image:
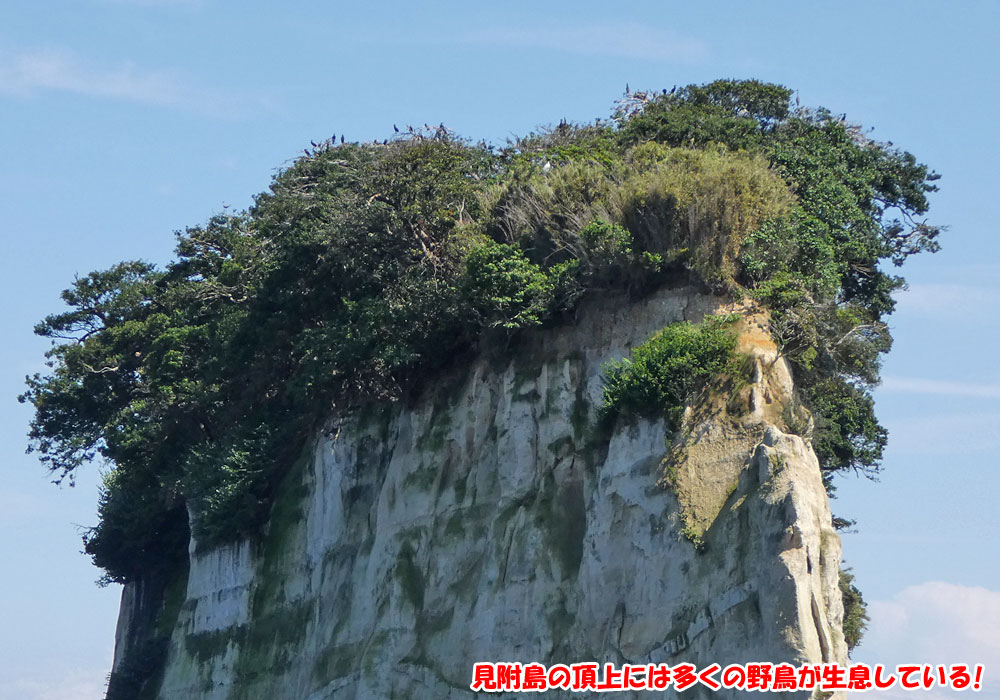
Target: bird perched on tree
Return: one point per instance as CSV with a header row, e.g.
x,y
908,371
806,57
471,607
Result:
x,y
395,128
342,138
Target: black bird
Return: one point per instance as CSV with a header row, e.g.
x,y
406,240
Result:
x,y
314,144
341,138
673,90
627,91
306,151
333,139
395,128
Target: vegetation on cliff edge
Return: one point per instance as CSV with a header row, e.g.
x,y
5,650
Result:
x,y
855,610
664,372
365,268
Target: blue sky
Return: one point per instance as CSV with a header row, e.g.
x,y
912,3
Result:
x,y
122,121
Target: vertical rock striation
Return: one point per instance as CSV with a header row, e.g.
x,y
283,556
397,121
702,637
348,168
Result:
x,y
486,522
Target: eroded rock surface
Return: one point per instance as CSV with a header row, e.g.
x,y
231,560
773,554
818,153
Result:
x,y
487,523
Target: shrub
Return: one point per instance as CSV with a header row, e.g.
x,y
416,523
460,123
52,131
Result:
x,y
143,526
705,201
663,373
855,610
670,200
847,433
504,288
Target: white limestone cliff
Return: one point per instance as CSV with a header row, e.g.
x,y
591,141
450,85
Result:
x,y
485,523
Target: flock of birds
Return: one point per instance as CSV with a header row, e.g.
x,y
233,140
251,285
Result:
x,y
632,101
647,95
439,132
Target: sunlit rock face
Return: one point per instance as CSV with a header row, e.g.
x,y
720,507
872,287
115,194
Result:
x,y
491,520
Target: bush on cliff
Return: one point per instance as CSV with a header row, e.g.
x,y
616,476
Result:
x,y
663,373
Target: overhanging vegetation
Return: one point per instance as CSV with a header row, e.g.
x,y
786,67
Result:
x,y
366,266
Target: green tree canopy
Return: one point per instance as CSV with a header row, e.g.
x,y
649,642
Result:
x,y
365,267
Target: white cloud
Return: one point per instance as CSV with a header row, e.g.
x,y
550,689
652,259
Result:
x,y
915,385
60,70
29,72
936,623
621,39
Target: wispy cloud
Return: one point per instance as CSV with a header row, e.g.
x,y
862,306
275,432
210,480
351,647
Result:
x,y
947,300
966,432
935,623
914,385
621,39
945,434
60,70
28,73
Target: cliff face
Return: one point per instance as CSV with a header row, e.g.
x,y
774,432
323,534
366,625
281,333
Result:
x,y
485,523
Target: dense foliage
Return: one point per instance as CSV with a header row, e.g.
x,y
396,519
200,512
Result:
x,y
663,373
367,267
855,610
